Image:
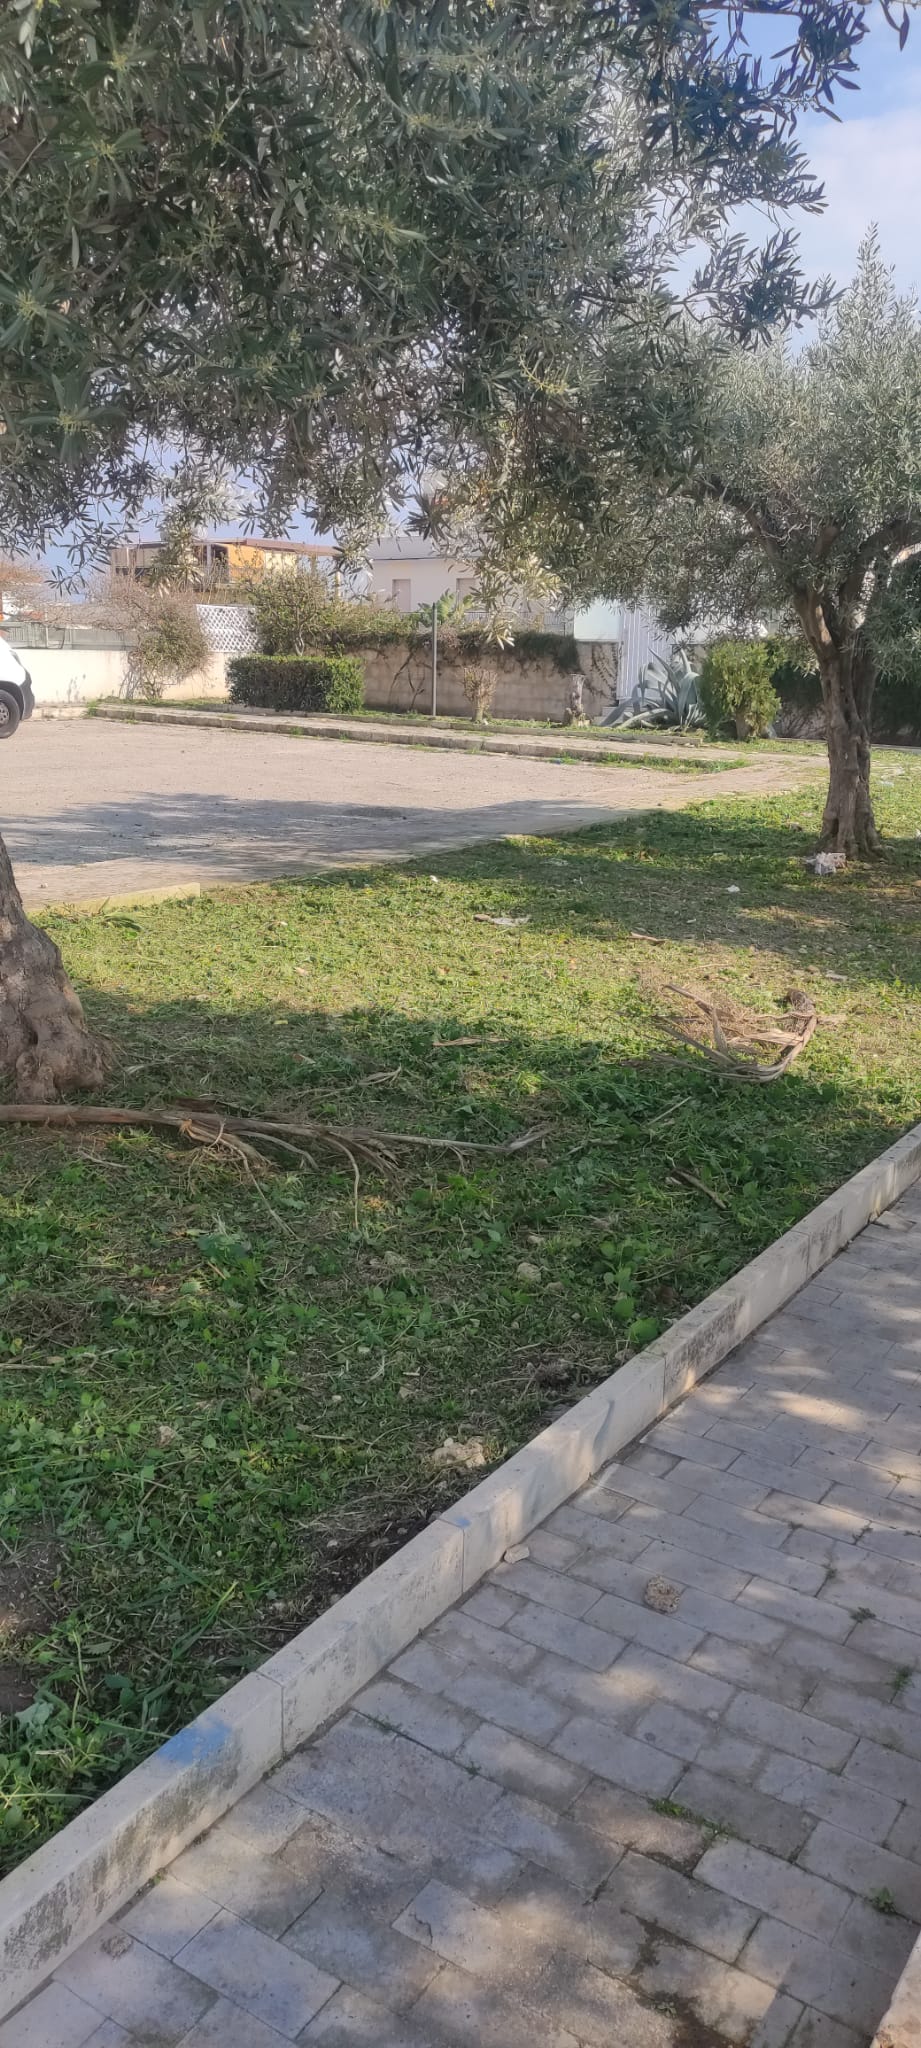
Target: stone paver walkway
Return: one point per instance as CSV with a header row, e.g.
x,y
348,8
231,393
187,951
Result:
x,y
566,1816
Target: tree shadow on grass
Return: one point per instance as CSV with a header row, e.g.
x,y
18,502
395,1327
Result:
x,y
728,881
724,878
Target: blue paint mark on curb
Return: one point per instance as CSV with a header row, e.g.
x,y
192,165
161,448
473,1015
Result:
x,y
202,1741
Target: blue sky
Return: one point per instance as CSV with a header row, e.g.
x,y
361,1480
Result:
x,y
870,163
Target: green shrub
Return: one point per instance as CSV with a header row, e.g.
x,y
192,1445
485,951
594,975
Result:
x,y
164,640
296,612
794,671
170,645
736,687
297,682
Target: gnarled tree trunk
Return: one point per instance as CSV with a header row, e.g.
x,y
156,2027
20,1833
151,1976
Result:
x,y
832,623
848,824
44,1042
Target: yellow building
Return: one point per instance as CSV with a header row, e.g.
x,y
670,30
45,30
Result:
x,y
231,560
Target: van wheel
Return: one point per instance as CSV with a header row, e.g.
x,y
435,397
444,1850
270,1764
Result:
x,y
10,714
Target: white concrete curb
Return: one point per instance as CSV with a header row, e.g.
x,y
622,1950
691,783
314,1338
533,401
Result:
x,y
564,739
901,2026
308,726
95,1865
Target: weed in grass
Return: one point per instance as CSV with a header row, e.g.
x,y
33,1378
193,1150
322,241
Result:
x,y
671,1808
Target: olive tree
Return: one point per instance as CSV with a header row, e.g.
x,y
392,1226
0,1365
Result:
x,y
745,487
309,239
814,466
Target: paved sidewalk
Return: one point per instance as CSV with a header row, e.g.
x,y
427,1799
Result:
x,y
655,1784
94,809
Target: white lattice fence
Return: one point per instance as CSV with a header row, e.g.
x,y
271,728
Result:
x,y
228,628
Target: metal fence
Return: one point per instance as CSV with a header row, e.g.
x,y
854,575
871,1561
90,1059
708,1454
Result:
x,y
641,636
57,634
228,628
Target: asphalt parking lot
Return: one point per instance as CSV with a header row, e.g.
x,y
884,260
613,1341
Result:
x,y
92,808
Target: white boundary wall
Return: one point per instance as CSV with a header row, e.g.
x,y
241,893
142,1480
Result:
x,y
75,675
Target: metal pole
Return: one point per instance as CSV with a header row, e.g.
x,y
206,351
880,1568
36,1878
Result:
x,y
434,660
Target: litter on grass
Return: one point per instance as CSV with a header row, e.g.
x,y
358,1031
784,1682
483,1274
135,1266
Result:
x,y
455,1456
825,863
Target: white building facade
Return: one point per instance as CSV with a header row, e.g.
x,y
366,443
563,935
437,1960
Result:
x,y
406,572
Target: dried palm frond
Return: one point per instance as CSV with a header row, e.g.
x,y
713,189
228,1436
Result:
x,y
734,1052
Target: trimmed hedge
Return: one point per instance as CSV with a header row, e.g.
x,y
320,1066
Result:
x,y
297,682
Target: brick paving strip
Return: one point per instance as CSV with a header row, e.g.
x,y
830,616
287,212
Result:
x,y
575,742
568,1818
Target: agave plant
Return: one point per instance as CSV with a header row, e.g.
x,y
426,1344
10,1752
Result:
x,y
666,694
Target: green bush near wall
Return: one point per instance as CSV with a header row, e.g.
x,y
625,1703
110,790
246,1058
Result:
x,y
736,687
297,682
298,614
897,708
465,643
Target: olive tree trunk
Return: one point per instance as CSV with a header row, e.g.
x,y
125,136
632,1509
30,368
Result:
x,y
848,824
44,1042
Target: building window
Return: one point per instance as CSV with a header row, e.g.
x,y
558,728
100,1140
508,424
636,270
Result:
x,y
466,585
401,594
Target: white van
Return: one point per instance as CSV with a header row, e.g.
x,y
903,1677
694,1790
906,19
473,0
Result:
x,y
16,699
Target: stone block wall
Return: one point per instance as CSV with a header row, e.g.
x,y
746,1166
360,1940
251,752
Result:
x,y
398,677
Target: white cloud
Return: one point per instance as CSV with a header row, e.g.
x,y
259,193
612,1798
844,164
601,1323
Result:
x,y
870,166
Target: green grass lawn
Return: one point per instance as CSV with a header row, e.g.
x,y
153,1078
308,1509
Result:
x,y
670,764
213,1418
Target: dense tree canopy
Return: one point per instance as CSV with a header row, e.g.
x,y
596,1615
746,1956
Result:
x,y
306,238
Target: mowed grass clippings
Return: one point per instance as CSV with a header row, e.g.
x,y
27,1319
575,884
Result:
x,y
219,1397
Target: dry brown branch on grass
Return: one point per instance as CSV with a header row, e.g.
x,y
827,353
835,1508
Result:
x,y
693,1180
734,1051
253,1135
